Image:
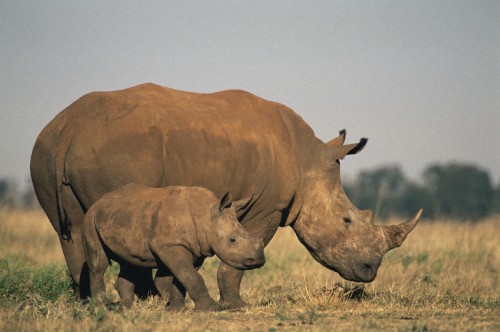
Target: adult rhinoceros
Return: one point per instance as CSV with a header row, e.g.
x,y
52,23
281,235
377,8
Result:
x,y
225,141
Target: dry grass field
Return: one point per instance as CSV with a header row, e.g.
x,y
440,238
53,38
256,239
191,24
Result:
x,y
445,277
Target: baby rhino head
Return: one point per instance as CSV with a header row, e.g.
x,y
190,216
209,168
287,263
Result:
x,y
230,241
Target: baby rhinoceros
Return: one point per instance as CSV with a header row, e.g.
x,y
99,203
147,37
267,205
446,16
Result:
x,y
173,229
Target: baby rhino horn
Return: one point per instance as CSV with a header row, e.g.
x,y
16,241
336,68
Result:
x,y
396,234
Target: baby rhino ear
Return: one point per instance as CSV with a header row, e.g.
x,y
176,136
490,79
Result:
x,y
242,203
223,203
215,210
226,201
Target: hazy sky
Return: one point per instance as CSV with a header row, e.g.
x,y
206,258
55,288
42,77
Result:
x,y
420,79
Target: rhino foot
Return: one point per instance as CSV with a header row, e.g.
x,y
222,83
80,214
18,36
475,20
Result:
x,y
127,302
236,304
209,305
173,306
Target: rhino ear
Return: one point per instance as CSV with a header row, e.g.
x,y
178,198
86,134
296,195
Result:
x,y
242,203
339,140
225,200
343,150
222,203
215,211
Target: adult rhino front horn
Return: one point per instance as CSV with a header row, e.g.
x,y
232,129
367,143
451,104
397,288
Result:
x,y
225,141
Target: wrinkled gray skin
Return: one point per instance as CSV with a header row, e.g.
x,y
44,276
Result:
x,y
226,141
173,229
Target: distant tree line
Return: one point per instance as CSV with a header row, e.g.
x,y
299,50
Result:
x,y
11,196
456,191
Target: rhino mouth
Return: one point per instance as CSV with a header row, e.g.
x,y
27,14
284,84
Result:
x,y
252,263
364,273
248,264
254,266
361,272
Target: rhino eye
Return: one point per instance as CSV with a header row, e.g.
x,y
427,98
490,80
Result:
x,y
347,221
232,240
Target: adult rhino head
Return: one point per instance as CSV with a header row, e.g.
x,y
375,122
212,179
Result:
x,y
336,233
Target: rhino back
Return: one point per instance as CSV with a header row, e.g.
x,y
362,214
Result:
x,y
230,140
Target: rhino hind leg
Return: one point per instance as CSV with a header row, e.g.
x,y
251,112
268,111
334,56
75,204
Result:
x,y
97,260
72,245
144,284
125,285
77,265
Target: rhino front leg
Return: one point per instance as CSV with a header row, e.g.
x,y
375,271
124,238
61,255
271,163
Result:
x,y
180,262
228,278
229,281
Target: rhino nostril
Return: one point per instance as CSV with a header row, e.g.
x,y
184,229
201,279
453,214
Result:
x,y
368,267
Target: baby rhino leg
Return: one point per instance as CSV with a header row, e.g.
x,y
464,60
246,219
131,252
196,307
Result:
x,y
144,285
169,286
180,262
125,285
97,260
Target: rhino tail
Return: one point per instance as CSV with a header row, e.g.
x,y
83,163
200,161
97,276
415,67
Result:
x,y
63,143
92,243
